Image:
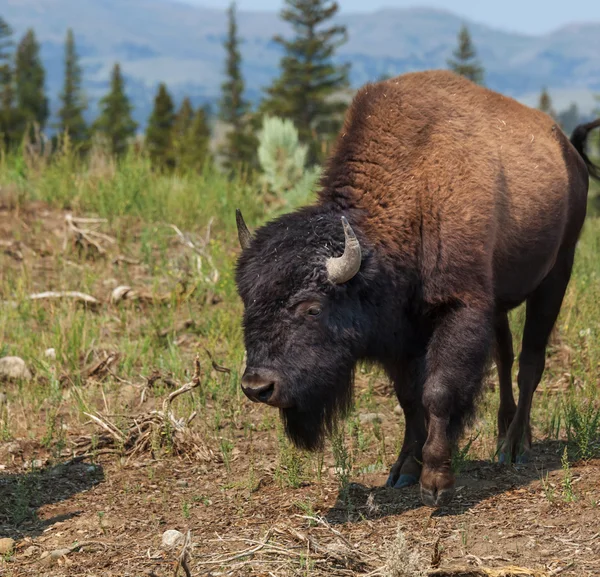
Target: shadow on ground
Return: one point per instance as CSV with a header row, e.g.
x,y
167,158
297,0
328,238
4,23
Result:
x,y
478,481
23,494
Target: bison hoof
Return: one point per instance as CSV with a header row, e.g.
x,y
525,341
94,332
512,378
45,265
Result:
x,y
403,481
520,459
406,481
435,498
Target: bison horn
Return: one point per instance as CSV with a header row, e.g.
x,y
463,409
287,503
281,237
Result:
x,y
343,268
243,233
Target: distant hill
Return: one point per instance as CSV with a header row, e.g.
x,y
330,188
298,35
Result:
x,y
163,40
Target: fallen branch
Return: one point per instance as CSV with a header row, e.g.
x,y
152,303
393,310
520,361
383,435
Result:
x,y
126,293
149,431
86,238
182,560
84,298
215,366
486,572
193,384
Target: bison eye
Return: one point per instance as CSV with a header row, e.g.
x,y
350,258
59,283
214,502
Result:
x,y
313,311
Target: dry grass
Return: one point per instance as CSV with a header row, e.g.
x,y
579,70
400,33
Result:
x,y
94,455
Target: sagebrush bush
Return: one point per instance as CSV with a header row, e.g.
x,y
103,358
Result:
x,y
281,155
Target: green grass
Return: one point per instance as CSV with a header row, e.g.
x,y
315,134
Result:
x,y
140,206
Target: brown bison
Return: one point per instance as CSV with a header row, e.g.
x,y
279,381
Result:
x,y
443,206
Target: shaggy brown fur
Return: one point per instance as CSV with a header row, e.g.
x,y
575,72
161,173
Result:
x,y
476,190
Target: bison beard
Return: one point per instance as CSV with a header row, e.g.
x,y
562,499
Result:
x,y
322,400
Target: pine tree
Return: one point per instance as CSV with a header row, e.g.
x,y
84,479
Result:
x,y
597,114
309,81
197,152
545,103
7,94
465,60
73,103
159,133
115,121
181,127
240,141
32,103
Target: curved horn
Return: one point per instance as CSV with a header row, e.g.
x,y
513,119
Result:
x,y
243,233
343,268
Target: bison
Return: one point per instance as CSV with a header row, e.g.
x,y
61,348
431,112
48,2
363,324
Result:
x,y
443,206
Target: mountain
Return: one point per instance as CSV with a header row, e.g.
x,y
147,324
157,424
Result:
x,y
164,40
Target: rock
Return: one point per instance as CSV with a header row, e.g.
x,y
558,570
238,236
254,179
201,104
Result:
x,y
6,545
50,354
398,410
14,369
171,538
365,418
181,483
34,464
3,398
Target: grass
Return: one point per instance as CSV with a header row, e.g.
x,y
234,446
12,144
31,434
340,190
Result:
x,y
140,206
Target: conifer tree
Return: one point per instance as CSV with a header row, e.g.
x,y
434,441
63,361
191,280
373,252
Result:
x,y
597,115
545,103
7,94
240,142
115,121
305,91
72,99
32,103
197,153
181,127
159,133
465,60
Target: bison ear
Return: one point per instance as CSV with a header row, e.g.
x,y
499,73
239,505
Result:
x,y
244,235
343,268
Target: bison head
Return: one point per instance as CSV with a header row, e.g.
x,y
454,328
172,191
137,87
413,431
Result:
x,y
305,318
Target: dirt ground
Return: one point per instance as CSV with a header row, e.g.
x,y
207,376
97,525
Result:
x,y
107,512
118,511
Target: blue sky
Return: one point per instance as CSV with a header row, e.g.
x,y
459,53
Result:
x,y
527,16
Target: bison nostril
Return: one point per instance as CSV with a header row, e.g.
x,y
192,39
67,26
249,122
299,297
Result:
x,y
266,393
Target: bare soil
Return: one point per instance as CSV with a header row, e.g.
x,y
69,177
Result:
x,y
111,510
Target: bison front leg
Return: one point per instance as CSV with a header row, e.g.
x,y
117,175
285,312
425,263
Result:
x,y
408,380
456,360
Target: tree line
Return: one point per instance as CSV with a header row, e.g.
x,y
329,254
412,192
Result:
x,y
311,91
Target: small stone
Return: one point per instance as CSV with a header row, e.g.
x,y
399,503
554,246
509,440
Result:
x,y
6,545
34,464
29,551
365,418
50,354
14,369
398,410
181,483
171,538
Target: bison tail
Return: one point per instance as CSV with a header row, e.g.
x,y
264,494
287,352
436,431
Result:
x,y
578,140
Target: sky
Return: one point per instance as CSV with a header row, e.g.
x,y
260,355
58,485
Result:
x,y
526,16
